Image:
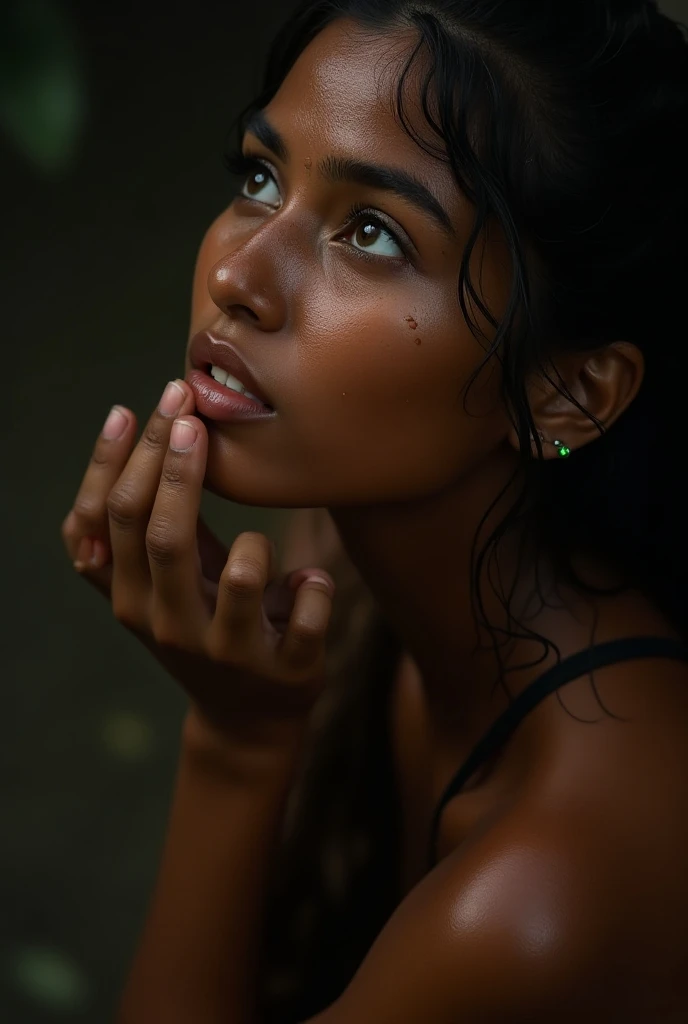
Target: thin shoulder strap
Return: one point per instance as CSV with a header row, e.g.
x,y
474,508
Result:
x,y
566,671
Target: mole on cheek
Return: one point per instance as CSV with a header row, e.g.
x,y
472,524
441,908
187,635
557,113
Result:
x,y
418,341
411,322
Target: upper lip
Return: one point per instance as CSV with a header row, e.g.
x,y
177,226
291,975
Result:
x,y
205,349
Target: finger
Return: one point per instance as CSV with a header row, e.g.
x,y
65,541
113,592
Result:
x,y
93,564
302,648
279,597
238,623
132,498
212,552
88,516
179,608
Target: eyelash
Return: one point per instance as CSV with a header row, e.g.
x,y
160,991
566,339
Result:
x,y
241,165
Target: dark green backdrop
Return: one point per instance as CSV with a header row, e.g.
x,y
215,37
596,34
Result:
x,y
105,200
111,128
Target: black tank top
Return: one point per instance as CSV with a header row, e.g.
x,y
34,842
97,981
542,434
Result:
x,y
565,672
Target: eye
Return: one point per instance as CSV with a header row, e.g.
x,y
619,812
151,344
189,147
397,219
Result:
x,y
261,186
369,234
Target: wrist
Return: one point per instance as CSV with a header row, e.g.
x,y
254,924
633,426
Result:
x,y
255,751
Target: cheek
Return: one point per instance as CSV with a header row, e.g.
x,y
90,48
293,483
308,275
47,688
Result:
x,y
389,353
380,391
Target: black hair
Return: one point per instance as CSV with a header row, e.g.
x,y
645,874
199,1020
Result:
x,y
566,123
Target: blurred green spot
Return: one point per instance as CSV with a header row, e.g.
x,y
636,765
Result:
x,y
42,93
128,736
50,977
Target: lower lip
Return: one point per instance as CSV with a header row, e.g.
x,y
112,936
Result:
x,y
217,402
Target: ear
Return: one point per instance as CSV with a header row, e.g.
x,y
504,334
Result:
x,y
602,383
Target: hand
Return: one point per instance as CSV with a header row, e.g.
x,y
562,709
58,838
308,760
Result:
x,y
246,643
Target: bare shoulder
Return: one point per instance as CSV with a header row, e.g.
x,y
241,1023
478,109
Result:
x,y
583,863
618,737
565,895
537,920
608,800
612,759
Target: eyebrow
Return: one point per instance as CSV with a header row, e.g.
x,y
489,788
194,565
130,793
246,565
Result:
x,y
259,126
339,169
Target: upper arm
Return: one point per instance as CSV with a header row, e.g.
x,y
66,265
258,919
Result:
x,y
501,939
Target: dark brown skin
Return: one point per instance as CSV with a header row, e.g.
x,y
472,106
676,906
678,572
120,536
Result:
x,y
561,893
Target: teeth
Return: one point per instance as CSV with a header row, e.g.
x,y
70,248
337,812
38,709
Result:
x,y
222,377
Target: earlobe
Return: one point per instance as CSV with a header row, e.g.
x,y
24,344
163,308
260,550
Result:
x,y
580,397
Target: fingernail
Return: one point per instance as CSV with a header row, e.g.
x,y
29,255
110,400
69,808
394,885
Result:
x,y
172,400
321,579
99,557
115,424
183,436
83,554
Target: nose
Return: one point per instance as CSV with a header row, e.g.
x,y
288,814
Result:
x,y
244,283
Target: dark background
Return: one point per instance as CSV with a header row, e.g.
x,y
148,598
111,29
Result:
x,y
105,199
112,121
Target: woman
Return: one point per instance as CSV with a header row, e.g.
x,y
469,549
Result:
x,y
454,266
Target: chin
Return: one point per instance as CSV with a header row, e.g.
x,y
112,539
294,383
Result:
x,y
230,490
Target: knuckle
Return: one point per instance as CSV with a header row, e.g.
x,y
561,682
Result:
x,y
173,473
243,578
87,507
153,439
122,507
162,546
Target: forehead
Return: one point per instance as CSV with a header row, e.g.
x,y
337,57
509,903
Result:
x,y
339,98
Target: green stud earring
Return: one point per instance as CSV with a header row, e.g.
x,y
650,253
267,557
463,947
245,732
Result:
x,y
563,449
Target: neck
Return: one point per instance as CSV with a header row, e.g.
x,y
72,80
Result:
x,y
416,557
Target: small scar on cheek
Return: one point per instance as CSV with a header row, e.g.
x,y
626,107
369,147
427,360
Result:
x,y
411,322
307,163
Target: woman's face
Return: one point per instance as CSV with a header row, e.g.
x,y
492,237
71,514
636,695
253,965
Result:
x,y
351,325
